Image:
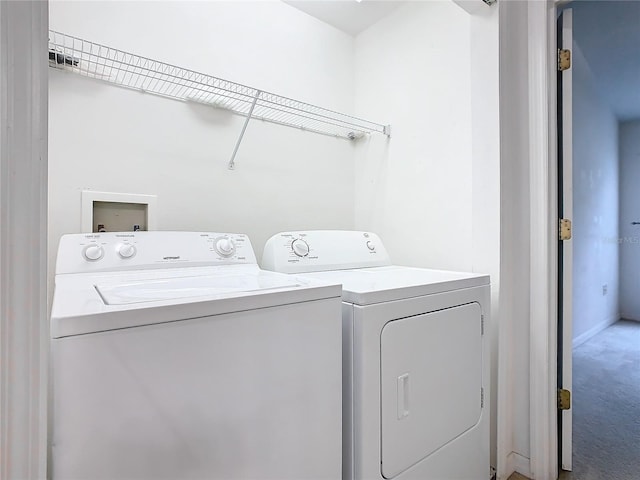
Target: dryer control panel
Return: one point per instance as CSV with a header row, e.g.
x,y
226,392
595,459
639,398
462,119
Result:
x,y
322,250
97,252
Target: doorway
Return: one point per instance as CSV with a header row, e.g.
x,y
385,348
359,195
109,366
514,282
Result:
x,y
605,239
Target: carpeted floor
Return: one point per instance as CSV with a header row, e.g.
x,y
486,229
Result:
x,y
606,405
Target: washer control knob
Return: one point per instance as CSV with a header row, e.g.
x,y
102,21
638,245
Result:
x,y
225,246
126,250
93,252
371,246
300,247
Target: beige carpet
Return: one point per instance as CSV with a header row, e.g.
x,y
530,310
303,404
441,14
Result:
x,y
606,405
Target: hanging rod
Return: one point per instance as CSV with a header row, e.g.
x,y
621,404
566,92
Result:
x,y
127,70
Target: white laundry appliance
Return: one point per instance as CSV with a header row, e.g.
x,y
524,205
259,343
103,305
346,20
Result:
x,y
416,357
175,357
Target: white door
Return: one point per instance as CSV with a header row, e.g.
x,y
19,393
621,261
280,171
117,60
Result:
x,y
565,249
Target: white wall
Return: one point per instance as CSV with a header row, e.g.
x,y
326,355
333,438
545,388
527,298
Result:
x,y
412,70
595,204
629,212
485,159
111,139
432,190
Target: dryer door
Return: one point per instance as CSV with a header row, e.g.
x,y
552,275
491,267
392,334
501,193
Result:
x,y
431,382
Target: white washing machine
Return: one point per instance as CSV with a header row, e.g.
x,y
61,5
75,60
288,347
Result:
x,y
416,359
175,357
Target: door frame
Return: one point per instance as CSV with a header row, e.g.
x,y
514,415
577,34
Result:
x,y
543,169
565,248
23,239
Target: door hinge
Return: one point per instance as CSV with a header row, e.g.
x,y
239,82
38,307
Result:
x,y
564,399
481,325
481,397
564,229
564,60
492,473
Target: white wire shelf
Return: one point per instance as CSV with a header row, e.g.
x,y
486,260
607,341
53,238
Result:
x,y
151,76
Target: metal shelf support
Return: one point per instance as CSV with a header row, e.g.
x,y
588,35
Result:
x,y
232,162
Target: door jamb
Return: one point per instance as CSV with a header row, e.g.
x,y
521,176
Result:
x,y
544,230
23,239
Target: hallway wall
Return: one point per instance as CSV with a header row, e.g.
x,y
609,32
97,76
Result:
x,y
629,212
596,175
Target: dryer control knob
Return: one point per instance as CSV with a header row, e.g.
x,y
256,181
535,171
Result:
x,y
300,247
126,250
225,246
93,252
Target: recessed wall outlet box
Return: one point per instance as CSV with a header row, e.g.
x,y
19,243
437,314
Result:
x,y
117,212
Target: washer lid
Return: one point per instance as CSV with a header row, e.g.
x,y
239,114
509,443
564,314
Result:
x,y
366,286
187,287
87,303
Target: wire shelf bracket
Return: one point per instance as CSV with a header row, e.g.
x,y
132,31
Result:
x,y
232,162
114,66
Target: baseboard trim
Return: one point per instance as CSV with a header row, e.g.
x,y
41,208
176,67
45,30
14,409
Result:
x,y
518,463
580,339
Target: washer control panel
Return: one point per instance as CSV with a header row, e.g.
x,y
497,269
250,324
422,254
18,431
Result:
x,y
93,252
321,250
300,247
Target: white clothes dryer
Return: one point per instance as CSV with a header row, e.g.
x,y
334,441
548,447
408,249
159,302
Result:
x,y
416,358
175,357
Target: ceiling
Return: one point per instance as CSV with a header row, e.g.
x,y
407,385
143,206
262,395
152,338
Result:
x,y
608,33
350,16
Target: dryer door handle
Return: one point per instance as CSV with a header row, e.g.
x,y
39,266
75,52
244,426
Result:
x,y
403,396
